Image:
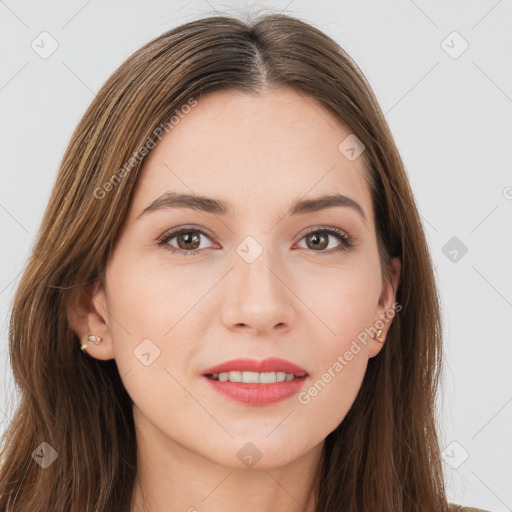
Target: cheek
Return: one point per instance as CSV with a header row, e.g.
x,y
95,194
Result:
x,y
150,331
339,371
157,321
343,299
330,395
149,299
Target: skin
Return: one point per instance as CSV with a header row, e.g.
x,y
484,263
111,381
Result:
x,y
294,301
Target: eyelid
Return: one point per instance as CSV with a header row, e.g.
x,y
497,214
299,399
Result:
x,y
325,228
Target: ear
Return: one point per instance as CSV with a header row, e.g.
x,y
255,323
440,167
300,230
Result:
x,y
385,310
88,315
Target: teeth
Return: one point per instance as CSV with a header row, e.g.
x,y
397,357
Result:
x,y
250,377
253,377
235,376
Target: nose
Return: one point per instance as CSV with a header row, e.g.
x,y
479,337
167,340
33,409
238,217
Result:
x,y
260,298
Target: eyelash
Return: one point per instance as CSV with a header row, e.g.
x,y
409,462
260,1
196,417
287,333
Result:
x,y
346,240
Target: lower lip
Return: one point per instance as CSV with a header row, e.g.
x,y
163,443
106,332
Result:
x,y
257,394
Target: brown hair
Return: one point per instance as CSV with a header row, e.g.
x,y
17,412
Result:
x,y
385,455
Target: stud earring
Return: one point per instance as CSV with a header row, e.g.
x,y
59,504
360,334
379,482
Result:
x,y
377,336
95,339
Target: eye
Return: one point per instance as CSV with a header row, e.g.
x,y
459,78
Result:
x,y
188,240
318,239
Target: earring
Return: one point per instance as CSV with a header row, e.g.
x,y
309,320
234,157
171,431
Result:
x,y
377,336
96,339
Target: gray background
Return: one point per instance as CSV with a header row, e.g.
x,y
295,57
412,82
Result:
x,y
450,115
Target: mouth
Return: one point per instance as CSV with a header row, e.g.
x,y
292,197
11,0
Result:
x,y
256,383
251,371
248,377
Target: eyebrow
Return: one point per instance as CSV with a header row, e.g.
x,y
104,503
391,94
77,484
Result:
x,y
219,207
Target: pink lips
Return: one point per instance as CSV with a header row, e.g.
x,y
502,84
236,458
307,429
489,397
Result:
x,y
272,364
257,394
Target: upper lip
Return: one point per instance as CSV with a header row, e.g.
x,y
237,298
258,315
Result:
x,y
272,364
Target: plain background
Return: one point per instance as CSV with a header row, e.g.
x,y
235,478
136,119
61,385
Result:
x,y
450,113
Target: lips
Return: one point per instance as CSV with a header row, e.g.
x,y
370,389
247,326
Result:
x,y
272,364
256,392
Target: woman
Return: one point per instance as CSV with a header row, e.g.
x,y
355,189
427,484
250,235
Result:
x,y
233,243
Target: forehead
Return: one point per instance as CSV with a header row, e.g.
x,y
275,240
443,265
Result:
x,y
254,151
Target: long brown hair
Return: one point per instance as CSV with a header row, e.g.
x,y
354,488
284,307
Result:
x,y
385,455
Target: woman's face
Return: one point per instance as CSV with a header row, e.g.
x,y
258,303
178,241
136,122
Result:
x,y
263,282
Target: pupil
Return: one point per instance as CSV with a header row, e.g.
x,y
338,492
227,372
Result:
x,y
317,237
187,238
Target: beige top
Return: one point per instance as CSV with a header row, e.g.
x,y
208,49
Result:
x,y
459,508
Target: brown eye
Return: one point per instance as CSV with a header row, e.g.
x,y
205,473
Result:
x,y
318,240
188,240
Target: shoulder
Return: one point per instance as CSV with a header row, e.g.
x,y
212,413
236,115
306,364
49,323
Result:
x,y
459,508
